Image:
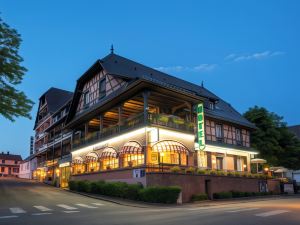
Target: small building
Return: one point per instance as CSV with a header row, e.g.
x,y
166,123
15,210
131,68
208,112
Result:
x,y
27,167
9,164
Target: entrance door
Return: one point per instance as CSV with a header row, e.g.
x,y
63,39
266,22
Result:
x,y
65,176
208,188
9,171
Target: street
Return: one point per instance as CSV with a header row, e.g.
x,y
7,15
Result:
x,y
28,202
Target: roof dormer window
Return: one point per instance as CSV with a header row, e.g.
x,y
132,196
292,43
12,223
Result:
x,y
211,105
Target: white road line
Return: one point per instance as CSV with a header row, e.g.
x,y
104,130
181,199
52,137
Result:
x,y
17,210
87,206
40,214
213,208
96,203
8,217
271,213
71,211
42,208
66,207
242,210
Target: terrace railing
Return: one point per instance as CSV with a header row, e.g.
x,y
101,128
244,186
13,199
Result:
x,y
161,120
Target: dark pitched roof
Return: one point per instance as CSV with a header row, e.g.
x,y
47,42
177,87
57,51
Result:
x,y
295,129
55,98
10,157
127,69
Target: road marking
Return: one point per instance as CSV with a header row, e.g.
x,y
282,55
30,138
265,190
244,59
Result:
x,y
96,203
8,217
213,208
71,211
17,210
87,206
40,214
42,208
242,210
66,207
271,213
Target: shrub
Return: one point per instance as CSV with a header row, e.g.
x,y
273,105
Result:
x,y
83,186
212,172
175,169
238,194
199,171
159,194
190,170
231,174
199,197
97,186
132,191
221,173
222,195
73,185
237,174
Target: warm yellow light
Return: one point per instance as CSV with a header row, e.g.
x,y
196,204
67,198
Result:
x,y
162,154
266,169
214,161
244,165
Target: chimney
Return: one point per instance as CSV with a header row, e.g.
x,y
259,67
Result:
x,y
7,152
2,153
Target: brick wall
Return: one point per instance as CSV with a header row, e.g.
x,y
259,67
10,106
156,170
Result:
x,y
195,184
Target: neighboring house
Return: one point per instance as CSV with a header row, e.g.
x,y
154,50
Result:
x,y
27,167
9,164
296,130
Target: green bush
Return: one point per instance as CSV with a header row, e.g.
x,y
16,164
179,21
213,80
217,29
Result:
x,y
190,170
132,191
212,172
175,169
199,171
96,186
230,174
199,197
222,195
237,174
73,185
83,186
159,194
221,173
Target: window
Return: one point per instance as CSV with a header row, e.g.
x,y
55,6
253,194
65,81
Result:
x,y
238,136
102,88
109,163
133,160
3,161
2,169
15,170
86,98
211,105
219,131
16,162
219,161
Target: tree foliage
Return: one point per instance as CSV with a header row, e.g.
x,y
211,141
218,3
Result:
x,y
13,103
272,138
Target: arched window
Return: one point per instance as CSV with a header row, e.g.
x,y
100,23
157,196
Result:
x,y
92,162
109,159
171,152
78,165
132,154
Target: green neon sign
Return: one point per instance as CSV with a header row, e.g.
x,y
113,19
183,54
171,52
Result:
x,y
200,123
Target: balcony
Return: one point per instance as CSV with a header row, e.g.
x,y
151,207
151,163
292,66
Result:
x,y
160,120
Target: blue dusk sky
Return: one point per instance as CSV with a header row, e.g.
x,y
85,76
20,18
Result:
x,y
246,52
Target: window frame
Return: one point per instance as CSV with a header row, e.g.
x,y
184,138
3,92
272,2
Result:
x,y
102,93
219,138
86,98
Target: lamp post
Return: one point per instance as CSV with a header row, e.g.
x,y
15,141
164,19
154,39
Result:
x,y
162,160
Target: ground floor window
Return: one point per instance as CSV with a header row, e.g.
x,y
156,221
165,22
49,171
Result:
x,y
109,163
2,169
16,170
173,158
130,160
93,166
78,168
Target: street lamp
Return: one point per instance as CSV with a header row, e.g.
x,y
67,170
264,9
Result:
x,y
162,160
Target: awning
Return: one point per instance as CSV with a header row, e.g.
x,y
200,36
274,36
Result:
x,y
258,161
91,157
108,152
132,147
77,160
169,146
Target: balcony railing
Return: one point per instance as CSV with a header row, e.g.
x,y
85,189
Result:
x,y
162,120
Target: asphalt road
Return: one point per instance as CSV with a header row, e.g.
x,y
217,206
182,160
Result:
x,y
26,202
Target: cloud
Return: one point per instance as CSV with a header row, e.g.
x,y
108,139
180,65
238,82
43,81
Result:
x,y
199,68
254,56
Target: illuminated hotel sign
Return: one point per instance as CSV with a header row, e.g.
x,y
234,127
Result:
x,y
200,123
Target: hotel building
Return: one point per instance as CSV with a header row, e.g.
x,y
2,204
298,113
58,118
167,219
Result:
x,y
124,116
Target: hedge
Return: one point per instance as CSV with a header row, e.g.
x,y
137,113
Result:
x,y
199,197
156,194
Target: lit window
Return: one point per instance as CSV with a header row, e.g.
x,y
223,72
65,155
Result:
x,y
238,136
211,106
102,88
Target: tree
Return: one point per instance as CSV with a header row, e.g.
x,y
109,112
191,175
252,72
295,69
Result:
x,y
13,103
272,138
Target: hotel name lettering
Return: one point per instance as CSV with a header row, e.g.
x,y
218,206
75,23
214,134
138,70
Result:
x,y
200,122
